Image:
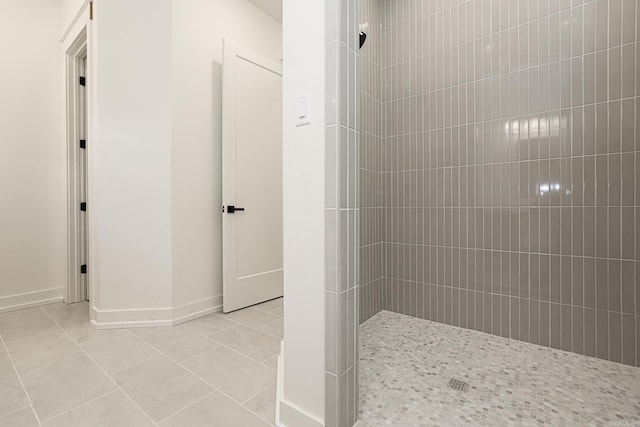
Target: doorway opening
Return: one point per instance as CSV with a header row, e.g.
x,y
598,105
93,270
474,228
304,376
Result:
x,y
77,146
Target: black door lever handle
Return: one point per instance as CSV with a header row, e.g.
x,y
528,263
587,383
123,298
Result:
x,y
232,209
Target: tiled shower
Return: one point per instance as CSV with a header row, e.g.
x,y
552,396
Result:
x,y
499,159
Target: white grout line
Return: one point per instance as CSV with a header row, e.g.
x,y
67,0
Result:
x,y
137,363
80,405
220,344
190,404
6,349
258,393
101,369
15,411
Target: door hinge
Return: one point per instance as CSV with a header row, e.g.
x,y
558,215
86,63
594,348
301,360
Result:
x,y
83,143
83,81
83,269
83,206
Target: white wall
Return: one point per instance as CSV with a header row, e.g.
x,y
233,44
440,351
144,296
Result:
x,y
32,153
155,191
131,159
70,9
157,174
198,29
304,173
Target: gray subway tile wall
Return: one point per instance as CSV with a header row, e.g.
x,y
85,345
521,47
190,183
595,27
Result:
x,y
371,172
342,214
499,168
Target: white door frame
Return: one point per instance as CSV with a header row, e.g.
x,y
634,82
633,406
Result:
x,y
76,129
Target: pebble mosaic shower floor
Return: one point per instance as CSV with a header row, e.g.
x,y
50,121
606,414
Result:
x,y
407,364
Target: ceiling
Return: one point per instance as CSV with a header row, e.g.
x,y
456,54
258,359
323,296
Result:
x,y
271,7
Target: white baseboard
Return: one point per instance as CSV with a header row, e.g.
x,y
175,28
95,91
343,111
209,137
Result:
x,y
154,317
288,414
31,299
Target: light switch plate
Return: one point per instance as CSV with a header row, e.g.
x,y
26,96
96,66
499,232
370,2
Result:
x,y
303,109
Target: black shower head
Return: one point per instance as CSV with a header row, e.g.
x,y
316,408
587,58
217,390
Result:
x,y
363,38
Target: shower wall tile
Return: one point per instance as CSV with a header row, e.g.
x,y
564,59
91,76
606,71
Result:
x,y
499,161
371,158
343,181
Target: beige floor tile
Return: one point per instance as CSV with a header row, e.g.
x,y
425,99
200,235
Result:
x,y
277,312
14,327
118,351
12,396
214,410
177,342
22,418
248,341
210,324
272,362
56,388
234,374
4,356
264,404
250,317
275,328
63,312
81,331
161,387
270,305
37,352
111,410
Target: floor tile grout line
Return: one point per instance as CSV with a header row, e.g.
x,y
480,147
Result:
x,y
236,323
24,389
59,414
265,364
15,411
252,327
203,379
259,393
265,310
166,354
101,369
251,357
231,349
212,392
136,363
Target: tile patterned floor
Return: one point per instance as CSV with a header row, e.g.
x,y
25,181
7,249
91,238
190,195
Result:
x,y
218,370
406,363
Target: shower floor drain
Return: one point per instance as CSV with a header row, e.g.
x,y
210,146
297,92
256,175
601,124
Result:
x,y
458,385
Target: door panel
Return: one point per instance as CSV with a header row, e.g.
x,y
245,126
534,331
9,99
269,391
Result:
x,y
252,179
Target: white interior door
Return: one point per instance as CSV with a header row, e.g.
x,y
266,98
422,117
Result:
x,y
251,178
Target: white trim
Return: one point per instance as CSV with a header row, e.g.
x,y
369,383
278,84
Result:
x,y
154,317
293,416
84,9
287,413
93,276
76,114
279,381
30,299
